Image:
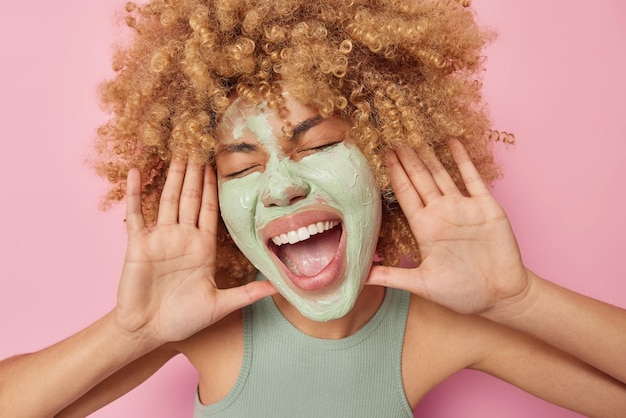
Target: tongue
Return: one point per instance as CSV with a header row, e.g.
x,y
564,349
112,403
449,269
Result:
x,y
309,257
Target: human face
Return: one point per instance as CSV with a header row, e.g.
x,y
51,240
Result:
x,y
304,209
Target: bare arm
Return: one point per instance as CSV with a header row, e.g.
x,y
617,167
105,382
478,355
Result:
x,y
119,383
167,292
42,383
471,264
593,331
549,373
458,341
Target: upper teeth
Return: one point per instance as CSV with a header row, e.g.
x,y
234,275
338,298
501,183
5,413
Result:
x,y
303,233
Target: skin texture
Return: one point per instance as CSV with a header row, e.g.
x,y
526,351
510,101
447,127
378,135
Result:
x,y
270,184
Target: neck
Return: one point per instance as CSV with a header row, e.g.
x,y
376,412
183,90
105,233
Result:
x,y
364,309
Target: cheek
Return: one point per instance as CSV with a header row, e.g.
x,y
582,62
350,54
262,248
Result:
x,y
341,172
237,200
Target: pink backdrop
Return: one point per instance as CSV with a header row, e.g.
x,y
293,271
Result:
x,y
555,78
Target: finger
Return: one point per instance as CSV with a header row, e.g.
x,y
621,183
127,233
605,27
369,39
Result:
x,y
170,196
397,278
442,178
237,297
134,216
209,208
191,194
419,174
471,178
402,186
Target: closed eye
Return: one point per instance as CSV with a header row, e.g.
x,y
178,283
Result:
x,y
239,159
242,172
323,146
311,150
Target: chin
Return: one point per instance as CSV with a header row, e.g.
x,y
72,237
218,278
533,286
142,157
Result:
x,y
330,305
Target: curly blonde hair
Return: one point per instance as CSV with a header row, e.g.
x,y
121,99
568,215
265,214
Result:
x,y
402,72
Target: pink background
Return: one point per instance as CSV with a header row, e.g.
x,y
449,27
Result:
x,y
555,78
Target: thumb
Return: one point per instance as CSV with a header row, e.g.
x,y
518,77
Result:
x,y
398,278
237,297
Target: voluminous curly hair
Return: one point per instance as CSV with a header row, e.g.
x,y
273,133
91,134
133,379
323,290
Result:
x,y
402,72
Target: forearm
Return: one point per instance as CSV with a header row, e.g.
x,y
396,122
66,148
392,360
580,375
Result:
x,y
593,331
42,383
119,383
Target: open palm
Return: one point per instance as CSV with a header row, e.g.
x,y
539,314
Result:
x,y
167,290
470,258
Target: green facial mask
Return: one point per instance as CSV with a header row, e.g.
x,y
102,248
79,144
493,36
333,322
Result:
x,y
330,195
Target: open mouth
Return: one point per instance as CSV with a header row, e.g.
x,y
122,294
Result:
x,y
309,250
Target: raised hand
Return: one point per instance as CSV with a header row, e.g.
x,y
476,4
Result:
x,y
167,291
470,258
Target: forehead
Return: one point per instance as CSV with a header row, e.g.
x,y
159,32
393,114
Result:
x,y
243,118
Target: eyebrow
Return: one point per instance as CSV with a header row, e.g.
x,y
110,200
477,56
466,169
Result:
x,y
238,147
305,125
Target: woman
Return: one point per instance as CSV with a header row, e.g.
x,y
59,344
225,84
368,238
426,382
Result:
x,y
391,164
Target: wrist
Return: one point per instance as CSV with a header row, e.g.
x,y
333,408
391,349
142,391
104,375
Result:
x,y
137,338
509,309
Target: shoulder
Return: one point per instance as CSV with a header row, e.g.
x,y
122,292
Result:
x,y
218,339
432,325
217,353
439,342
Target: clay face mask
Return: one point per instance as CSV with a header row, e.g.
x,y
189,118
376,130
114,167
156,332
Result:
x,y
305,211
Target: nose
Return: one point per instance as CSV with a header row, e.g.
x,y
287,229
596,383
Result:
x,y
283,187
